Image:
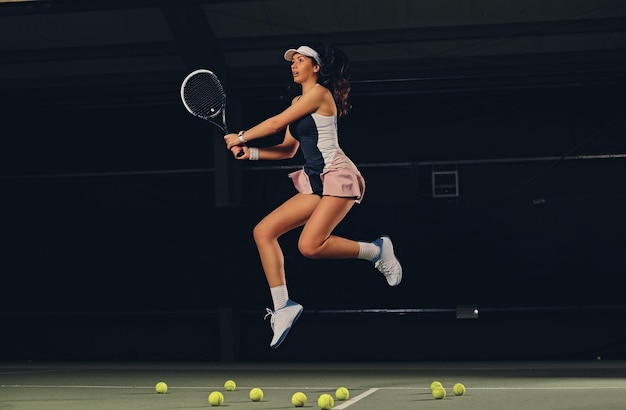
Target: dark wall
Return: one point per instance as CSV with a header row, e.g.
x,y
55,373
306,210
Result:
x,y
113,210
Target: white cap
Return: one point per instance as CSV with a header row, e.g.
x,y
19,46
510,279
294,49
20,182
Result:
x,y
305,51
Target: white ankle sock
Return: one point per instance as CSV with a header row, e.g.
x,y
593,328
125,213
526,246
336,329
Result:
x,y
280,296
368,251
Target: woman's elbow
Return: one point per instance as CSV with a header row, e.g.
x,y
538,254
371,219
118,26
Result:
x,y
292,153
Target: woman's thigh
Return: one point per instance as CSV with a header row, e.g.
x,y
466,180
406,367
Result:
x,y
323,220
291,214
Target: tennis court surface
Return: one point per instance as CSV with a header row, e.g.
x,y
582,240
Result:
x,y
597,384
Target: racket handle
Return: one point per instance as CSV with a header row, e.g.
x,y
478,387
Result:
x,y
240,153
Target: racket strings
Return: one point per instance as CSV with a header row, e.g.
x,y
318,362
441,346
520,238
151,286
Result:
x,y
204,95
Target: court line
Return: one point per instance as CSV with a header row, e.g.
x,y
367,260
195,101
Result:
x,y
350,402
553,388
343,405
29,371
52,386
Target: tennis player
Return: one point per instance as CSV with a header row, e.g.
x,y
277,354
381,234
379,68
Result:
x,y
328,185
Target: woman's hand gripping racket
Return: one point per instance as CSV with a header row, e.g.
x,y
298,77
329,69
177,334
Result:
x,y
203,96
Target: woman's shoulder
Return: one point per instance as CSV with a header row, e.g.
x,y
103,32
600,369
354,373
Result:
x,y
318,92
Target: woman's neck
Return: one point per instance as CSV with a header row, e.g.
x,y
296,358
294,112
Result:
x,y
306,87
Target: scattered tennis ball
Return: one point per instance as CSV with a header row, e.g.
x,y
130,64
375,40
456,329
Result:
x,y
439,393
298,399
458,389
326,401
161,387
256,394
435,384
216,398
230,385
342,393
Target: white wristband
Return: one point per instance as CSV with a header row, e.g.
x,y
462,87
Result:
x,y
241,137
254,153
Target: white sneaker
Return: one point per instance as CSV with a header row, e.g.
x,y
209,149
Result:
x,y
281,321
387,262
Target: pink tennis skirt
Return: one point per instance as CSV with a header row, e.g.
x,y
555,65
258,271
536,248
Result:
x,y
342,183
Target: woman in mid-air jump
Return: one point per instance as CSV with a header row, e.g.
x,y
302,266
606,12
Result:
x,y
328,185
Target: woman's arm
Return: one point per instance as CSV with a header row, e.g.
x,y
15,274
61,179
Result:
x,y
306,104
285,150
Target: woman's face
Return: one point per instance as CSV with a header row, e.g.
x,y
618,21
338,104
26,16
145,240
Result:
x,y
303,68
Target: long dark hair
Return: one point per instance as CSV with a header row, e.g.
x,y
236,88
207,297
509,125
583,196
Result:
x,y
334,74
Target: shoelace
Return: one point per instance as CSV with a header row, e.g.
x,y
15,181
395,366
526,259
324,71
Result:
x,y
271,314
384,268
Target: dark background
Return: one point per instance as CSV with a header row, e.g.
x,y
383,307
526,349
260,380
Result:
x,y
125,230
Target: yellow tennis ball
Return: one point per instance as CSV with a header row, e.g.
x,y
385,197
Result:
x,y
256,394
298,399
216,398
439,392
326,401
342,393
435,384
161,387
458,389
230,385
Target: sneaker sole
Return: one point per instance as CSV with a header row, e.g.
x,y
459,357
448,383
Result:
x,y
393,250
284,335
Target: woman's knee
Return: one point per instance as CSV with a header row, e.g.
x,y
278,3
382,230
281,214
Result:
x,y
263,233
309,249
259,233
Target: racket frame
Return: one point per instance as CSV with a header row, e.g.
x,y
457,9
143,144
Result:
x,y
220,112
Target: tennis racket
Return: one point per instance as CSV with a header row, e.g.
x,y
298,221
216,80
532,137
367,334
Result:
x,y
203,96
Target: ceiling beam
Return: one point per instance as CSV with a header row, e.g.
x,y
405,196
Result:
x,y
410,35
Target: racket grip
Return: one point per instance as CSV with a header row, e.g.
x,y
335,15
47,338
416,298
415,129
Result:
x,y
240,153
